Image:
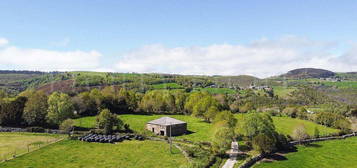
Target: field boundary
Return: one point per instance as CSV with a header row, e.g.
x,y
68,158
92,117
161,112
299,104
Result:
x,y
21,154
258,158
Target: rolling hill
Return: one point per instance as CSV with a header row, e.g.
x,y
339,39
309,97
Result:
x,y
302,73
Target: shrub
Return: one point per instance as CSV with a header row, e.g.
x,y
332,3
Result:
x,y
67,125
300,133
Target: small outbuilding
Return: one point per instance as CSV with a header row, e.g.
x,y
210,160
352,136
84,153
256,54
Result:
x,y
167,126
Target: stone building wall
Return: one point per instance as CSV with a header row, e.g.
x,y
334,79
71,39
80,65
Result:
x,y
177,129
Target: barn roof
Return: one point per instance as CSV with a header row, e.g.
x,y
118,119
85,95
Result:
x,y
166,121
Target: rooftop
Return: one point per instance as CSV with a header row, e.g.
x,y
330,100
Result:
x,y
166,121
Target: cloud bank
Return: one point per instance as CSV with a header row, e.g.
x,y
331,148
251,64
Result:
x,y
47,60
260,58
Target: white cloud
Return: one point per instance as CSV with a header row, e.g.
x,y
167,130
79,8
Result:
x,y
47,60
3,42
261,58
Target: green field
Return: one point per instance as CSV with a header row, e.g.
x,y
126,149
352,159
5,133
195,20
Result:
x,y
327,154
343,84
286,125
198,128
167,86
283,92
18,143
216,90
77,154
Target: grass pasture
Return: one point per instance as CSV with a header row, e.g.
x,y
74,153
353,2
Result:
x,y
77,154
283,92
199,130
286,125
327,154
18,143
343,84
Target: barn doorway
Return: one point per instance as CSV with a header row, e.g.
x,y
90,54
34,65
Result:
x,y
153,130
162,133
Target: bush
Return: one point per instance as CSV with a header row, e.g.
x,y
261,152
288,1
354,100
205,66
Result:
x,y
300,133
67,126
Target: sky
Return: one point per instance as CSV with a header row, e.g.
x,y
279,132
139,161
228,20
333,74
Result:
x,y
260,38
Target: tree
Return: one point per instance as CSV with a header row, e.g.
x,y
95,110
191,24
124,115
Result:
x,y
35,110
263,143
226,116
222,137
108,121
67,126
60,108
211,113
11,111
256,123
299,133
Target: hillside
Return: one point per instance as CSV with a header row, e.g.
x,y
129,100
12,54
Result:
x,y
240,80
302,73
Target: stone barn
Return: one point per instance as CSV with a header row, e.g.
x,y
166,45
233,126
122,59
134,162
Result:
x,y
164,125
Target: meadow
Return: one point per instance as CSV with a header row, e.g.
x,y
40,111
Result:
x,y
19,143
286,125
283,92
327,154
343,84
199,130
78,154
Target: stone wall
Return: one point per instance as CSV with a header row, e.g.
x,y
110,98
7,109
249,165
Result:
x,y
177,129
322,139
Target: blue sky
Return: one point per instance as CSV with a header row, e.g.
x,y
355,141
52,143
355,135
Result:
x,y
117,29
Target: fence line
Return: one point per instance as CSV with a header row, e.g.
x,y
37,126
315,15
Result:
x,y
19,152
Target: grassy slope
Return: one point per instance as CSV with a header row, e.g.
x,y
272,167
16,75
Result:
x,y
200,129
283,92
77,154
343,85
11,142
286,125
328,154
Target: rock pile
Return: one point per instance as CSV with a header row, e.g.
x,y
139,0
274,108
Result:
x,y
109,138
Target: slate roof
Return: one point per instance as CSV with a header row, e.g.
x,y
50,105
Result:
x,y
166,121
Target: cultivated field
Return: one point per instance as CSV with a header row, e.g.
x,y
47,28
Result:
x,y
19,143
199,130
77,154
327,154
286,125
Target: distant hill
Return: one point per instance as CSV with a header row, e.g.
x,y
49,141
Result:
x,y
308,73
240,80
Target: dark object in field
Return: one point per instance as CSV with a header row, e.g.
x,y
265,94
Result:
x,y
109,138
